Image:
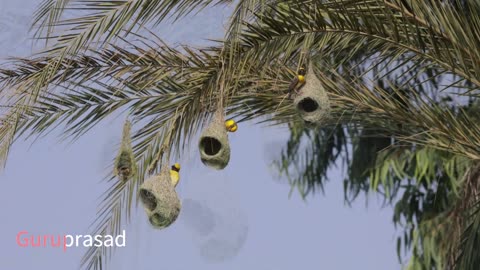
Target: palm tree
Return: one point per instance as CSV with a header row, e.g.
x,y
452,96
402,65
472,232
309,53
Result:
x,y
401,76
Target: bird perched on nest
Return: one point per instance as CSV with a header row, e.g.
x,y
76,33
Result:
x,y
297,83
175,174
231,125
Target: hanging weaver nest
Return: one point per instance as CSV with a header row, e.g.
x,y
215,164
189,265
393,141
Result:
x,y
125,165
213,144
160,200
312,103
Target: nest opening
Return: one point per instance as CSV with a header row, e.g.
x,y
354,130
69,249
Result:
x,y
124,171
148,199
211,146
308,105
157,219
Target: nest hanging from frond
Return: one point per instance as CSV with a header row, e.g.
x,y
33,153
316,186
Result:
x,y
214,145
125,165
160,200
312,103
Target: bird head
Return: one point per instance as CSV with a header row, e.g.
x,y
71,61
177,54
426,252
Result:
x,y
176,167
231,125
302,71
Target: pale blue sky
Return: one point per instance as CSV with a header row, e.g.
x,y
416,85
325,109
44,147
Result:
x,y
52,188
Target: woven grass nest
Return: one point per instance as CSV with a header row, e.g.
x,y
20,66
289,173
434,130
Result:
x,y
312,102
160,200
214,145
125,166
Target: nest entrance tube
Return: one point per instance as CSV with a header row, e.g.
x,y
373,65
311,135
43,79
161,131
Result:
x,y
312,103
160,200
214,145
156,219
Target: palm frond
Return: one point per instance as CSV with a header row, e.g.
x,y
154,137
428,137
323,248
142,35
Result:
x,y
103,21
359,26
383,63
465,256
308,156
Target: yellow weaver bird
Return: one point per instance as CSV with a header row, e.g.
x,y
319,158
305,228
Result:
x,y
231,125
175,174
297,83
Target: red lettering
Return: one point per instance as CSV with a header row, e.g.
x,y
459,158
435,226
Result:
x,y
25,244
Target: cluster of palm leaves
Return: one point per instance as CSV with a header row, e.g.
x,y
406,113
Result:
x,y
402,77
